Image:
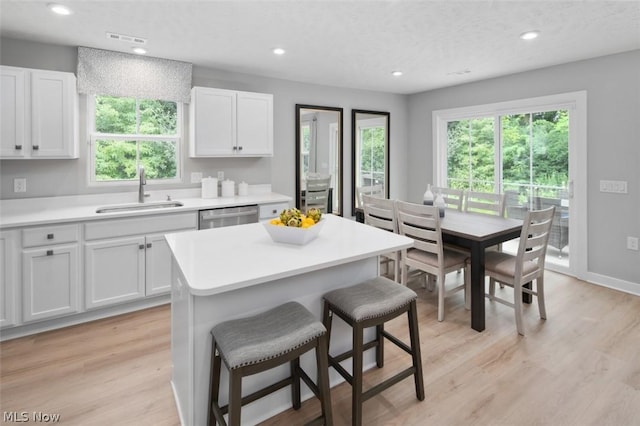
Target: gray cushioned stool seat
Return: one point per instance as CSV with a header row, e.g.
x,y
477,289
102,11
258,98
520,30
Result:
x,y
370,299
267,335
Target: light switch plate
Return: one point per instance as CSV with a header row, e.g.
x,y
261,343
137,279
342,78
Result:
x,y
220,175
632,243
196,177
615,186
20,185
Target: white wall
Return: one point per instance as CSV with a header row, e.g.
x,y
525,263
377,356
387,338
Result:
x,y
68,177
613,147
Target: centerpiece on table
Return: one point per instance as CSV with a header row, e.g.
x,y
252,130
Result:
x,y
294,227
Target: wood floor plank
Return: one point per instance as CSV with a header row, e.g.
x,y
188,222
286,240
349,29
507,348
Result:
x,y
579,367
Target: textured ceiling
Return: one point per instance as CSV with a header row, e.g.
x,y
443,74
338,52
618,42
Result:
x,y
344,43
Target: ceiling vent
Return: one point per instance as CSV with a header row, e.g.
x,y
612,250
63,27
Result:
x,y
127,39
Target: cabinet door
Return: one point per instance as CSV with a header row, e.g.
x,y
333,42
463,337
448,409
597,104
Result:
x,y
50,281
114,271
158,265
53,104
255,124
9,263
12,95
213,122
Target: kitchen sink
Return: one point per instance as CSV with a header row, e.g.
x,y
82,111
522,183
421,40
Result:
x,y
138,206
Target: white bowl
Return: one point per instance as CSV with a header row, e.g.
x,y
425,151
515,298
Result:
x,y
291,235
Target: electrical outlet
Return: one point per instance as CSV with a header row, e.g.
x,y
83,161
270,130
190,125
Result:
x,y
196,177
220,175
20,185
632,243
615,186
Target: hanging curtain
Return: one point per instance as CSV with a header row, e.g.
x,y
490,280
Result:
x,y
104,72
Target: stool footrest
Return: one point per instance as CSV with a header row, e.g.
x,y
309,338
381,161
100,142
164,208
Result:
x,y
261,393
388,383
340,369
310,384
349,354
393,339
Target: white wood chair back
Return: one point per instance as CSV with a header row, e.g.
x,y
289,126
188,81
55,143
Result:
x,y
380,212
453,198
317,193
376,191
484,202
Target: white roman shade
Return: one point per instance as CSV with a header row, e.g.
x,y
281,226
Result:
x,y
104,72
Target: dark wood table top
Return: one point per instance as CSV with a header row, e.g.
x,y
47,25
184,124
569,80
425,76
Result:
x,y
477,227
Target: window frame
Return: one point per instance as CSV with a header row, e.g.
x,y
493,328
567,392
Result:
x,y
93,136
576,104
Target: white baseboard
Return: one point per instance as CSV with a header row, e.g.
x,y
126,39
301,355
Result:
x,y
66,321
613,283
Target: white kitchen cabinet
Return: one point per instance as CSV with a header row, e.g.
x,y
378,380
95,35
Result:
x,y
269,211
8,279
50,271
50,281
227,123
128,259
114,271
39,114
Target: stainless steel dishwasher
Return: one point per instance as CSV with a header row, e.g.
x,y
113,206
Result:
x,y
227,216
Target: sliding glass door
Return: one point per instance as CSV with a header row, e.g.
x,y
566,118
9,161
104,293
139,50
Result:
x,y
521,152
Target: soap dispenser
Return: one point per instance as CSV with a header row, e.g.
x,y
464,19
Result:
x,y
428,198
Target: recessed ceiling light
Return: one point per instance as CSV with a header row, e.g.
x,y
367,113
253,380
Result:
x,y
59,9
396,73
278,51
139,50
529,35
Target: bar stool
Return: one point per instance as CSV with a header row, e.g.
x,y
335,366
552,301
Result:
x,y
368,304
261,342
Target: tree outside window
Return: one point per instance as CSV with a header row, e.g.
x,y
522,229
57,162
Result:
x,y
130,133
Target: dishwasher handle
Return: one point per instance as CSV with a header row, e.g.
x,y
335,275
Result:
x,y
235,214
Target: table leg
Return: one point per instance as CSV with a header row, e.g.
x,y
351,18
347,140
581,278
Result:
x,y
477,287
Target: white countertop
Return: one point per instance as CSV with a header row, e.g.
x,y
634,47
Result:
x,y
218,260
40,211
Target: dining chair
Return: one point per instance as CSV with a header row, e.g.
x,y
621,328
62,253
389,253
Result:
x,y
559,236
527,265
381,213
370,190
484,202
317,193
453,198
422,224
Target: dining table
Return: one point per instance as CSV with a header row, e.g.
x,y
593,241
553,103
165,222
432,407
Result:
x,y
476,232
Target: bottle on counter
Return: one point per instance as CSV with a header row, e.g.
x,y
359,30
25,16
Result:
x,y
439,202
427,198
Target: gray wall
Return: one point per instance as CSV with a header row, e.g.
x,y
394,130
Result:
x,y
613,144
68,177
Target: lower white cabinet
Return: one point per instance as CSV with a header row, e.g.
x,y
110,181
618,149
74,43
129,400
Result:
x,y
50,281
129,259
8,279
114,271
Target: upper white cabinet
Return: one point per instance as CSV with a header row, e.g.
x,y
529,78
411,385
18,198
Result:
x,y
227,123
39,114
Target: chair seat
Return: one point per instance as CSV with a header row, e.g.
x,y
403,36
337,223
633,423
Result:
x,y
505,264
370,299
267,335
451,258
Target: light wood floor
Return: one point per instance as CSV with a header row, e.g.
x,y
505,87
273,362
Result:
x,y
580,367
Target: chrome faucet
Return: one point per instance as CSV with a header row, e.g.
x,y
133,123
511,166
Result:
x,y
143,182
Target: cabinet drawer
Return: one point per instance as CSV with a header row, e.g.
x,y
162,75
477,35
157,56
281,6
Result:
x,y
269,211
46,235
140,225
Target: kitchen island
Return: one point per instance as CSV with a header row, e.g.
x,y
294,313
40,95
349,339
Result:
x,y
225,273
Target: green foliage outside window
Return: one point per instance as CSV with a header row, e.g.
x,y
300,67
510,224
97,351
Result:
x,y
118,157
535,153
372,154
